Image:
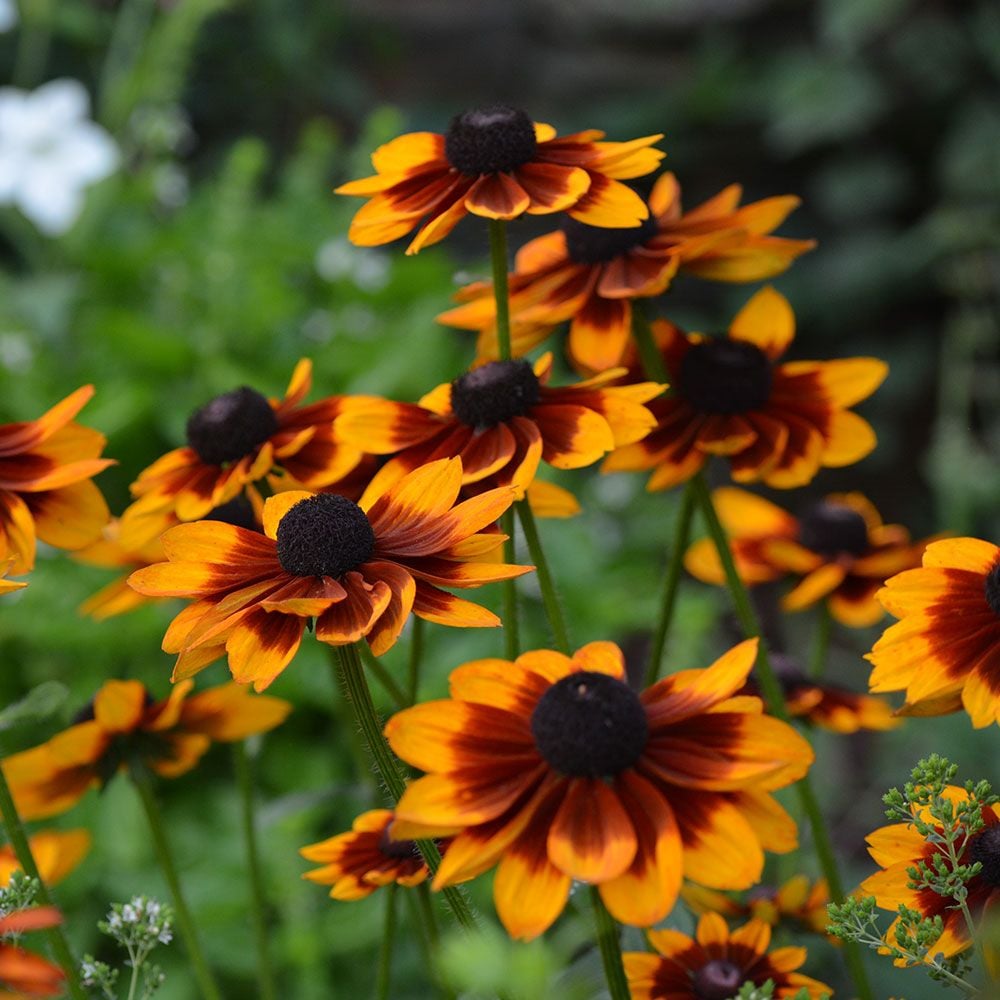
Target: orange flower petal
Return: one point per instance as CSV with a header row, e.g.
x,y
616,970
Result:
x,y
767,321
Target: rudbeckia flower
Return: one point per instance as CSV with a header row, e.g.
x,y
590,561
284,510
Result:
x,y
496,163
555,768
945,650
779,423
56,854
123,724
21,972
899,847
716,963
839,550
502,419
234,441
364,859
358,570
46,466
590,275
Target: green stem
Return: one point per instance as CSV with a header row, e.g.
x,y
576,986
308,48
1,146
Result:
x,y
610,945
773,696
550,598
668,601
385,949
413,664
511,628
33,45
498,259
642,333
821,641
430,936
244,779
352,676
124,47
22,851
383,676
185,923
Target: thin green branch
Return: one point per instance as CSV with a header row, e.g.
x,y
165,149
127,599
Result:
x,y
609,942
386,945
642,333
414,660
511,626
821,641
501,294
550,599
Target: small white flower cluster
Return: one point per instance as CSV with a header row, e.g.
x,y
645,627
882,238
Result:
x,y
141,923
18,894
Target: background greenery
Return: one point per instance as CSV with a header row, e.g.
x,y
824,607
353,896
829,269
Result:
x,y
217,256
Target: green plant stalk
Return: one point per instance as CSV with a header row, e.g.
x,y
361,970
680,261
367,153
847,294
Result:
x,y
35,33
352,677
413,663
511,627
185,923
385,679
501,294
245,782
821,641
610,945
668,602
773,696
385,947
553,610
652,360
22,851
124,49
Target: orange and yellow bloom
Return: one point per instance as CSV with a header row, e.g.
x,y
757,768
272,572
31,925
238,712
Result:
x,y
775,422
590,275
357,569
56,854
496,163
554,767
22,973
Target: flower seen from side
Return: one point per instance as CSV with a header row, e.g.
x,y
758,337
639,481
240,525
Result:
x,y
554,769
776,422
56,853
591,275
23,973
496,163
356,570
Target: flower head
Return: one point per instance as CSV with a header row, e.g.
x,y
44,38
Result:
x,y
779,423
590,275
838,549
715,963
56,853
123,725
46,466
357,569
21,972
496,163
555,768
945,648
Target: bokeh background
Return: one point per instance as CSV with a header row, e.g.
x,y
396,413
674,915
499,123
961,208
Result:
x,y
214,254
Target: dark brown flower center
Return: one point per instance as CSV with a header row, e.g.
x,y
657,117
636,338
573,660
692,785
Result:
x,y
400,850
991,587
590,725
324,535
493,393
597,245
725,376
231,426
833,529
490,140
719,979
986,850
239,512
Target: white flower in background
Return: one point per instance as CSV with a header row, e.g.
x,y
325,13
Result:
x,y
50,151
8,15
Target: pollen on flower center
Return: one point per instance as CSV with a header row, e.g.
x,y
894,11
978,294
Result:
x,y
493,393
490,140
718,979
324,535
590,725
597,245
991,587
231,426
725,376
986,850
832,529
397,849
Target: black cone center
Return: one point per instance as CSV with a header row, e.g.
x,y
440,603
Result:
x,y
231,426
399,850
597,245
490,140
986,850
493,393
324,535
725,376
718,980
832,529
238,512
590,725
992,589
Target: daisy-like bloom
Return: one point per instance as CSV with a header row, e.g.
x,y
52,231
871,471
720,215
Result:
x,y
23,973
357,863
715,963
839,549
555,768
798,902
900,847
945,650
357,569
779,423
235,440
590,275
56,854
46,467
502,419
496,163
6,586
123,724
